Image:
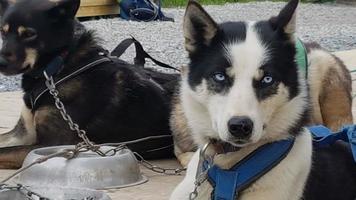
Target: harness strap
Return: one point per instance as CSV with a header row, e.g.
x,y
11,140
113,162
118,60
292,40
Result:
x,y
52,69
57,64
227,183
141,54
323,137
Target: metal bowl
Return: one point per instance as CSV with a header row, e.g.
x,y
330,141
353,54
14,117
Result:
x,y
88,170
55,193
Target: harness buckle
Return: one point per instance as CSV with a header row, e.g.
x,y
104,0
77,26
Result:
x,y
202,159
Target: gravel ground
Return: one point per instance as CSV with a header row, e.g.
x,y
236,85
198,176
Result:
x,y
331,25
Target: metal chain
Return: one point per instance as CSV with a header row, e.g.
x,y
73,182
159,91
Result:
x,y
197,183
201,176
88,145
157,169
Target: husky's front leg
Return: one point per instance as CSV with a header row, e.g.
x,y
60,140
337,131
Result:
x,y
183,190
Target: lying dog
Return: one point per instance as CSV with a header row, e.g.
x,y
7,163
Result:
x,y
243,90
328,80
112,101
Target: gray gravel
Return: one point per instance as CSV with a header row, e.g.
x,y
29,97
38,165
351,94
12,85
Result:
x,y
331,25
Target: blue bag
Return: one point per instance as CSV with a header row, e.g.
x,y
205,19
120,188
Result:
x,y
142,10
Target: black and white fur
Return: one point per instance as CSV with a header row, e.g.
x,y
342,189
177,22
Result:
x,y
242,88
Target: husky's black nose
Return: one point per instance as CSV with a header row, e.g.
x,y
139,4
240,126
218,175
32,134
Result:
x,y
240,127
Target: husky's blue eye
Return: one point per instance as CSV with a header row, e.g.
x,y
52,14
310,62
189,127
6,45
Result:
x,y
219,77
267,80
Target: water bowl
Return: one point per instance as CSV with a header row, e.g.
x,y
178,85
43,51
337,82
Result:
x,y
87,170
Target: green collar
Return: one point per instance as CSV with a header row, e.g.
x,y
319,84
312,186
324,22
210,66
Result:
x,y
301,57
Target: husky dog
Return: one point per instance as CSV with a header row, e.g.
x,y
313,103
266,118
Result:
x,y
328,79
113,100
243,89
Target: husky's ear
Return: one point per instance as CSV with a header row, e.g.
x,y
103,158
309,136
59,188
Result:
x,y
286,19
4,4
60,9
199,28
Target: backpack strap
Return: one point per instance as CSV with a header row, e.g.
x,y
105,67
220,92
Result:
x,y
161,15
228,183
141,54
323,137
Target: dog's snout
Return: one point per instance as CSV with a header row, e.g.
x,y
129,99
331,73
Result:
x,y
240,127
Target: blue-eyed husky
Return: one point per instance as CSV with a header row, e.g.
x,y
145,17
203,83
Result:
x,y
243,89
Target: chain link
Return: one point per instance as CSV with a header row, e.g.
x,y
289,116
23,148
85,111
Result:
x,y
86,144
201,176
197,183
157,169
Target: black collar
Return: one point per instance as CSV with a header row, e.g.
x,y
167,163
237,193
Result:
x,y
54,66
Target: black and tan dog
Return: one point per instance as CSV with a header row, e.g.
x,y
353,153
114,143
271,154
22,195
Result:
x,y
113,101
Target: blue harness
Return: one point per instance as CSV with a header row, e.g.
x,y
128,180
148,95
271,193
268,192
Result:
x,y
228,183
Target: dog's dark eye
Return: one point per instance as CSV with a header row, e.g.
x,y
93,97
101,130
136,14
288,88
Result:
x,y
29,35
219,77
267,80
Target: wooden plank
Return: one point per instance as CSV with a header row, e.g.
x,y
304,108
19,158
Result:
x,y
97,2
98,10
347,2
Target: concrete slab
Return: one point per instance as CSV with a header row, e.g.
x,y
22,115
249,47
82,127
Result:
x,y
348,57
10,109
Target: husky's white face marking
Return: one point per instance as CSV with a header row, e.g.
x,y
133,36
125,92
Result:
x,y
246,57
